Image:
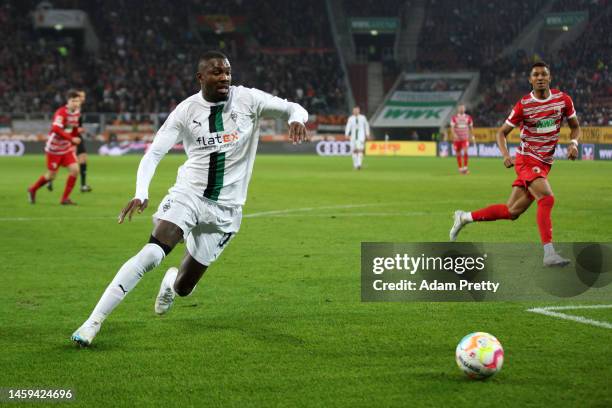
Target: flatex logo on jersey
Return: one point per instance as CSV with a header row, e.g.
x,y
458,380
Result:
x,y
334,148
12,148
218,141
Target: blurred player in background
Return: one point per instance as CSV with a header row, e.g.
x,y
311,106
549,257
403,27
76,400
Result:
x,y
539,115
357,130
80,150
461,126
63,136
219,128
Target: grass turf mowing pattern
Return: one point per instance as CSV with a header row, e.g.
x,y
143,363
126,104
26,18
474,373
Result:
x,y
278,319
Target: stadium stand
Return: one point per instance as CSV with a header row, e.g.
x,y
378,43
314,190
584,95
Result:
x,y
466,34
580,68
125,76
270,49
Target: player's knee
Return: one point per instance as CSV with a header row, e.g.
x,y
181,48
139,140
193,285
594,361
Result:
x,y
515,213
149,257
547,200
166,248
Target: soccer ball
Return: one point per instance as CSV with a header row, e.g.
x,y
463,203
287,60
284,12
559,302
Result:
x,y
479,355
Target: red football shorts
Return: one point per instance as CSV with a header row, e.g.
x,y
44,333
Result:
x,y
528,169
461,145
55,161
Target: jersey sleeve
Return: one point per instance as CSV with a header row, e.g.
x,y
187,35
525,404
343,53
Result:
x,y
453,121
166,137
274,107
347,128
59,125
470,121
516,115
569,111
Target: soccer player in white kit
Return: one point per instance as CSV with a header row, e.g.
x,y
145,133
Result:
x,y
219,128
358,130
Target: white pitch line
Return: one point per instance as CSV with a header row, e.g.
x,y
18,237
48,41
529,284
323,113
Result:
x,y
549,311
308,209
348,215
273,213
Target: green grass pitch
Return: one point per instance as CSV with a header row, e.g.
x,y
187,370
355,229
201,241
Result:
x,y
278,321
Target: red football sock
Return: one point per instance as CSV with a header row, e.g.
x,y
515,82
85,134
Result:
x,y
492,213
459,159
545,206
465,158
69,185
39,183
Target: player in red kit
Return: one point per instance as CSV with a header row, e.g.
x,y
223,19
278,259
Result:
x,y
461,126
539,114
64,134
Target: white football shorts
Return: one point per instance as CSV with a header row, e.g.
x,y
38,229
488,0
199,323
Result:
x,y
357,144
207,226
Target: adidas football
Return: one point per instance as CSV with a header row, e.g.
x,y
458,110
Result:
x,y
479,355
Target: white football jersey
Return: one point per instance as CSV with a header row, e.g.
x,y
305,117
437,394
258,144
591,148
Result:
x,y
357,127
220,140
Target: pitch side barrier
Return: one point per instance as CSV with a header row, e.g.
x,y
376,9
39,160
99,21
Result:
x,y
325,148
586,151
589,134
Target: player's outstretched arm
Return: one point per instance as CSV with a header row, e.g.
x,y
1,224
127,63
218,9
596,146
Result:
x,y
134,205
275,107
165,138
572,151
502,133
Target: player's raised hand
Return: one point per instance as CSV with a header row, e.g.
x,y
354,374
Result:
x,y
572,152
133,205
297,132
76,140
508,162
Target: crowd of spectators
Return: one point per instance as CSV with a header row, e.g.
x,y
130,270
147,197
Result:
x,y
374,8
592,6
582,69
312,79
469,33
148,55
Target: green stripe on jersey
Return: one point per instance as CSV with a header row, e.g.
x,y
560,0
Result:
x,y
215,120
216,171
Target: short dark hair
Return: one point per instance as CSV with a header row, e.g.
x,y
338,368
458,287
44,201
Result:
x,y
72,93
539,64
208,55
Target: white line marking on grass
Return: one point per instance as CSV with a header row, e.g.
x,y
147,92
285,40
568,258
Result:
x,y
308,209
272,213
288,212
9,219
550,311
348,215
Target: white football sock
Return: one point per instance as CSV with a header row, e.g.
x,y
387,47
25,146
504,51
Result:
x,y
126,279
549,249
359,159
355,160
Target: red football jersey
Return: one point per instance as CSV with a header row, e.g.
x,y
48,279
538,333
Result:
x,y
540,121
462,123
64,127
